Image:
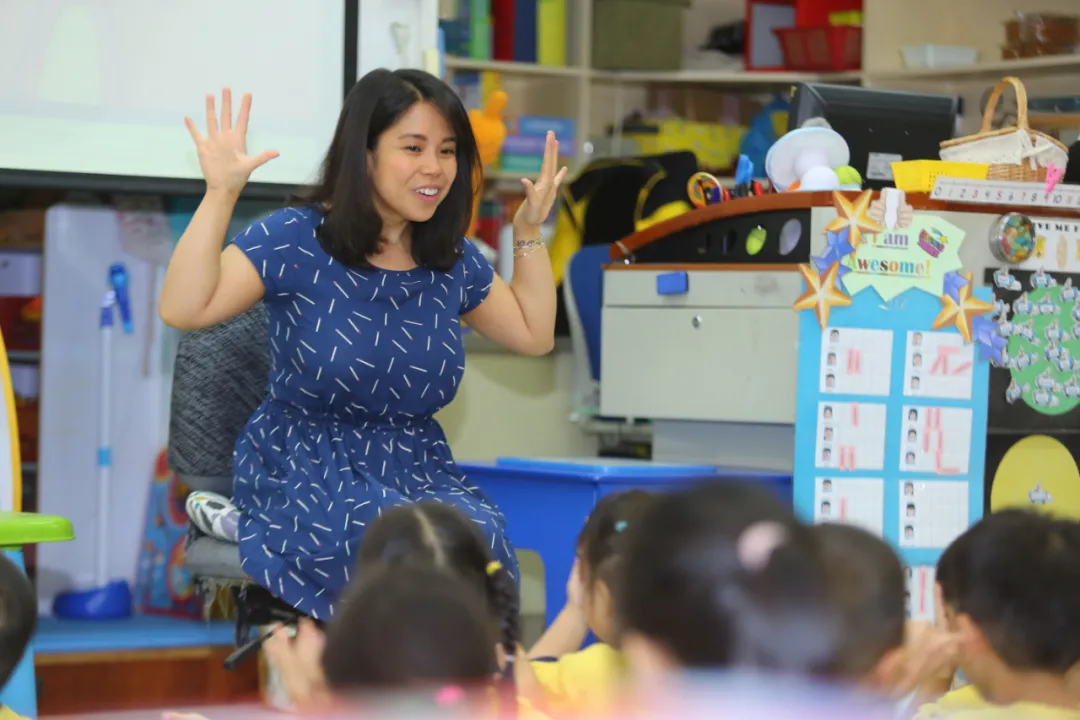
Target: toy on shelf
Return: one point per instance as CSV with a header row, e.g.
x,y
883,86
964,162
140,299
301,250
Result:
x,y
489,129
811,158
108,599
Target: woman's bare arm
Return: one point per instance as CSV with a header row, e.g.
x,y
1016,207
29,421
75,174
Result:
x,y
204,285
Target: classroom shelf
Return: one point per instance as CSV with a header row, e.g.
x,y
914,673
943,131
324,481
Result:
x,y
24,357
731,77
514,68
1024,67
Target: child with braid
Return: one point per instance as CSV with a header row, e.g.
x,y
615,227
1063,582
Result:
x,y
432,534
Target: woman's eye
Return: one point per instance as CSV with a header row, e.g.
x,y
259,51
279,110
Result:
x,y
413,148
449,151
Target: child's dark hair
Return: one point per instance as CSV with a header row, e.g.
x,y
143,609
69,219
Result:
x,y
724,576
409,623
602,542
867,587
441,535
1015,575
18,616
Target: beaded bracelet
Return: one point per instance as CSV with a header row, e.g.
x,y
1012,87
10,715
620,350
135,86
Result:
x,y
524,248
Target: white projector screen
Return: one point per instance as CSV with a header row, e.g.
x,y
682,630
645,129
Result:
x,y
102,86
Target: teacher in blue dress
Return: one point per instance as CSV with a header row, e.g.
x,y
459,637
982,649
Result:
x,y
365,280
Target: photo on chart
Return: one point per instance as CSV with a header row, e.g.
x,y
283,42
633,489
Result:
x,y
932,512
851,501
850,436
935,440
855,361
919,592
938,365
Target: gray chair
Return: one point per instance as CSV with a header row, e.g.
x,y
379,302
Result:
x,y
219,379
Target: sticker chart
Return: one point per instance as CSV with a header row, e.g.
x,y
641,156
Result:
x,y
890,428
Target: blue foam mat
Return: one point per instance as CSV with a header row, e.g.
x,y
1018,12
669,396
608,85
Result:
x,y
140,632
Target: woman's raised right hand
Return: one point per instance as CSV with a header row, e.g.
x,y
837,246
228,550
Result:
x,y
223,152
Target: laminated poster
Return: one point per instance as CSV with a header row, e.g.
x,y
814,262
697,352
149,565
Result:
x,y
891,417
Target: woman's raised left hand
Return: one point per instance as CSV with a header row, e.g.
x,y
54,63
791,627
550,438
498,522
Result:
x,y
540,196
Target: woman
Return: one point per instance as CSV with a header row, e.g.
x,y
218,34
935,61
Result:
x,y
365,280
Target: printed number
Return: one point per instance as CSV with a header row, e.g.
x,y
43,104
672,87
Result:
x,y
847,457
940,366
854,362
935,437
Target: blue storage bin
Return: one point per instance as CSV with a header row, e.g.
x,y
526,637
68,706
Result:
x,y
546,501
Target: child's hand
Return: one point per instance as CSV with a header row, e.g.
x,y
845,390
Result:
x,y
932,657
575,587
299,662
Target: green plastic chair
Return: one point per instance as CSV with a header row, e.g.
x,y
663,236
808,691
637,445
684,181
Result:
x,y
17,530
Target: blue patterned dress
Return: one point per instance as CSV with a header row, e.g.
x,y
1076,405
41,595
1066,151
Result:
x,y
361,361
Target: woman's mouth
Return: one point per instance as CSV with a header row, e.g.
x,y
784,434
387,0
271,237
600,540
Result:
x,y
430,194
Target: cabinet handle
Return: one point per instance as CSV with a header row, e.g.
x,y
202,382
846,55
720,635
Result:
x,y
696,321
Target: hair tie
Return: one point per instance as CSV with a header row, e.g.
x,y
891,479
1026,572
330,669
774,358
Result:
x,y
620,526
757,543
449,695
493,567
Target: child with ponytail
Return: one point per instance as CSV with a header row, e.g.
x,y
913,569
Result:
x,y
561,677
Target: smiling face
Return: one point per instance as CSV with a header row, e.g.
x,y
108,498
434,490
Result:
x,y
413,165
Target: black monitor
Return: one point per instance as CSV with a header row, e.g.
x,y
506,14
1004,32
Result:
x,y
880,126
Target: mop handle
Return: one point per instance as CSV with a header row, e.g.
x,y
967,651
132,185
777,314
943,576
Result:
x,y
104,454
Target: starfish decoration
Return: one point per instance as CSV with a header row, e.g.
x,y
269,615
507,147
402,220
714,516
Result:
x,y
821,293
953,281
852,216
837,247
959,312
991,343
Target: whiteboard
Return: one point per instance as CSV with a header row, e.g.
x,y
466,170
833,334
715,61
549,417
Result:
x,y
102,86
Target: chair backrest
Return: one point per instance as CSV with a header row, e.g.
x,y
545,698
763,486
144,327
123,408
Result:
x,y
585,275
219,379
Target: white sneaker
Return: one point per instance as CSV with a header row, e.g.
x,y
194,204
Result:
x,y
214,515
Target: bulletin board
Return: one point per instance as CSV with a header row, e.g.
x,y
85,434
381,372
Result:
x,y
1033,445
891,417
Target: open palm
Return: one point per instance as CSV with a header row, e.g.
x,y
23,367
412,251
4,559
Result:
x,y
223,152
540,196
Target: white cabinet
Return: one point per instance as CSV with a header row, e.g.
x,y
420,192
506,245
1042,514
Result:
x,y
722,351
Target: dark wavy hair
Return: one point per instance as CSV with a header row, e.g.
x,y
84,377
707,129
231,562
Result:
x,y
352,229
688,587
602,543
442,535
407,624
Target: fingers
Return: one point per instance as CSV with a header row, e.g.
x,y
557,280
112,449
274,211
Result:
x,y
226,109
194,131
245,112
551,157
211,116
530,189
561,176
263,158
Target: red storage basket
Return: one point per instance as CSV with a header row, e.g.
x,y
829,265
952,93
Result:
x,y
821,49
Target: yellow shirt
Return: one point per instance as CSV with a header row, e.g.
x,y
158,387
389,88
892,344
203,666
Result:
x,y
7,713
967,704
582,682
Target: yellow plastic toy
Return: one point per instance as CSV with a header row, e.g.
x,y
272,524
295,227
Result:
x,y
489,129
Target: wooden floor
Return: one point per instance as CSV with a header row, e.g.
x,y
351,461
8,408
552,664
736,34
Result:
x,y
100,682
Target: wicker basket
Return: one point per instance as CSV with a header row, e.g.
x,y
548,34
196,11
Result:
x,y
1014,153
